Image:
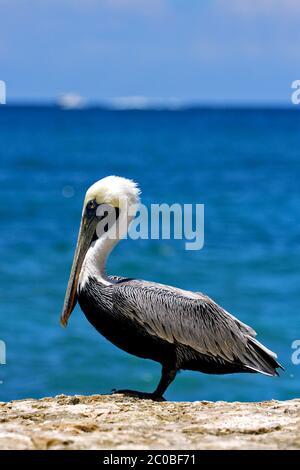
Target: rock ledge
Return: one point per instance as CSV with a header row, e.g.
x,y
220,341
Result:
x,y
121,422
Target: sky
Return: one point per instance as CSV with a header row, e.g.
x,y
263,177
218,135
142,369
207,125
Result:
x,y
211,51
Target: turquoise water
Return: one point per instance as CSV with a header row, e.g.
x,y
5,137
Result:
x,y
244,165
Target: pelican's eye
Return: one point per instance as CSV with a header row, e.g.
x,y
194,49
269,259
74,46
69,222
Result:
x,y
91,207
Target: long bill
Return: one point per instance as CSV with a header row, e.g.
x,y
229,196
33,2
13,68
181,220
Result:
x,y
85,236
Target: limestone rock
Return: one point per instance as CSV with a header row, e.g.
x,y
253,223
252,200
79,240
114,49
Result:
x,y
121,422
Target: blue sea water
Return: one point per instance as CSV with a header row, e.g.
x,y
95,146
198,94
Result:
x,y
244,165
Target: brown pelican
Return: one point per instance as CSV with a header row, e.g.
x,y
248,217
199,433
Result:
x,y
177,328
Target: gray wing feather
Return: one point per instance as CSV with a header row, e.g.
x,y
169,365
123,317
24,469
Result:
x,y
191,319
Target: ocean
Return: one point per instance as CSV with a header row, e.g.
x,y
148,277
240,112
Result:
x,y
242,164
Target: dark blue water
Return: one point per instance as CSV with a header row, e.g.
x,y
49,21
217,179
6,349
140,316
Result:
x,y
243,165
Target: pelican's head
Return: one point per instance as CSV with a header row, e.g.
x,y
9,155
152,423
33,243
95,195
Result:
x,y
114,191
110,192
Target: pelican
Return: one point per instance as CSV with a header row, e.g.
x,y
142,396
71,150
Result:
x,y
177,328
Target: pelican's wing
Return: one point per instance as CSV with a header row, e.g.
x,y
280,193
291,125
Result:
x,y
194,320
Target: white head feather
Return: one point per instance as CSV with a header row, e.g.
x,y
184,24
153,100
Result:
x,y
115,191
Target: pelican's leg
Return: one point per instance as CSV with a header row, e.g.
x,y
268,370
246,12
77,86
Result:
x,y
167,376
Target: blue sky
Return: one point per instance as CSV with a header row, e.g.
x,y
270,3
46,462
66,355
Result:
x,y
207,50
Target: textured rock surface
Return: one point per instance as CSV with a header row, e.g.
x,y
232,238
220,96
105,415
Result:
x,y
120,422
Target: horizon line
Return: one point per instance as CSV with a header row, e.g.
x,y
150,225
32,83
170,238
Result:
x,y
162,105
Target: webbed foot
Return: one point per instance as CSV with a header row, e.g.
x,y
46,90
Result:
x,y
140,395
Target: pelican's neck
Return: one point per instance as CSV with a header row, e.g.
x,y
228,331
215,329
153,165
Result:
x,y
94,264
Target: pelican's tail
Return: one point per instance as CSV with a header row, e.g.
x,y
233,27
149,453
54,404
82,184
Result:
x,y
262,360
